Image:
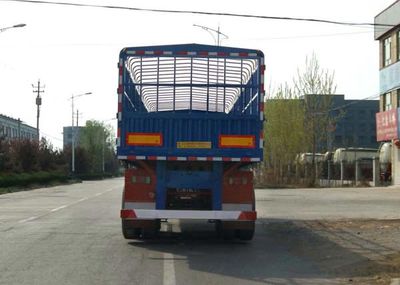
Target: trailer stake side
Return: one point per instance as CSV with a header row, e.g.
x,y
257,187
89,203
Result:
x,y
190,126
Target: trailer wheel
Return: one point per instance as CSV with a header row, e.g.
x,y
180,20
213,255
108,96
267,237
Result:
x,y
130,232
224,232
246,234
151,231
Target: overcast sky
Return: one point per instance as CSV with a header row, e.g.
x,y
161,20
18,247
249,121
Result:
x,y
74,50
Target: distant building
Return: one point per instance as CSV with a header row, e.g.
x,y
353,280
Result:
x,y
387,32
11,128
356,126
68,133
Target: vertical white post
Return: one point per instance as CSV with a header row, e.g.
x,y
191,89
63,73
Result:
x,y
357,174
341,172
375,172
73,137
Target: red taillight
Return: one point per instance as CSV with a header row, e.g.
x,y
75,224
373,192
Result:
x,y
128,214
248,216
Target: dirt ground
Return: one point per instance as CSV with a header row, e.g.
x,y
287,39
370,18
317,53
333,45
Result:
x,y
357,251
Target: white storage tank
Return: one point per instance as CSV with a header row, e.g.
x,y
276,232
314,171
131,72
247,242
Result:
x,y
350,155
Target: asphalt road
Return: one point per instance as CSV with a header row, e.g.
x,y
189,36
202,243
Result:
x,y
72,235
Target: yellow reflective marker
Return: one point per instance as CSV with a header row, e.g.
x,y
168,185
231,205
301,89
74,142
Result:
x,y
237,141
144,139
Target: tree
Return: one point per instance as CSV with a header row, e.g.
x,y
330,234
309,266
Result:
x,y
98,141
285,133
316,85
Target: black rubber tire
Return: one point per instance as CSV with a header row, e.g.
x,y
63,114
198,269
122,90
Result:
x,y
246,234
129,232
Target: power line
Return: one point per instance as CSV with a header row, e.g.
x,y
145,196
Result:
x,y
309,36
204,13
52,137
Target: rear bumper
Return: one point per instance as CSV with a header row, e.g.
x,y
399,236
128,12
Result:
x,y
143,214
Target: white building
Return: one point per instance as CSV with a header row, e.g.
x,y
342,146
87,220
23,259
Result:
x,y
11,128
387,32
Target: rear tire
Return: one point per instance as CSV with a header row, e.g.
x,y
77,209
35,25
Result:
x,y
128,231
246,234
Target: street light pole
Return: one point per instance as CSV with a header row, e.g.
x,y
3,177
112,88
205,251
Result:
x,y
210,30
73,131
12,27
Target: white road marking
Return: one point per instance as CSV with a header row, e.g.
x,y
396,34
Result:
x,y
58,208
169,270
27,220
63,207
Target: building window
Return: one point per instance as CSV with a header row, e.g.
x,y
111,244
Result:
x,y
398,45
398,98
8,132
387,47
387,102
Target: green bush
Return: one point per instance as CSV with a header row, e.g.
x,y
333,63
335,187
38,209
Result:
x,y
26,179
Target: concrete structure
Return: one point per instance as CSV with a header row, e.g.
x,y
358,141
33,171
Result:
x,y
11,128
67,135
355,124
387,32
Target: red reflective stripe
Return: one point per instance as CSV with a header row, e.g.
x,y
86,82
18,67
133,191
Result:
x,y
121,70
222,53
245,159
152,157
262,107
131,157
248,216
119,107
203,53
120,89
192,158
128,214
172,158
182,53
262,69
261,135
262,87
226,159
158,52
140,52
243,54
209,158
118,132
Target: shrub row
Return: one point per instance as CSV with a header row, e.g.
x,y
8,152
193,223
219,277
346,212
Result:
x,y
97,176
27,179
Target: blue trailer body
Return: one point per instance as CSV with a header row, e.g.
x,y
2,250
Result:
x,y
189,118
190,93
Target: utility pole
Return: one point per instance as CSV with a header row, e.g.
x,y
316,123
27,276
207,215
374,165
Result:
x,y
36,89
77,117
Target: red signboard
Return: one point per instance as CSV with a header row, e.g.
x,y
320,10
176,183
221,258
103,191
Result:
x,y
387,125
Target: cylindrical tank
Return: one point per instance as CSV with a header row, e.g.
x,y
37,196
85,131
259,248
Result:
x,y
385,161
352,154
385,153
306,158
